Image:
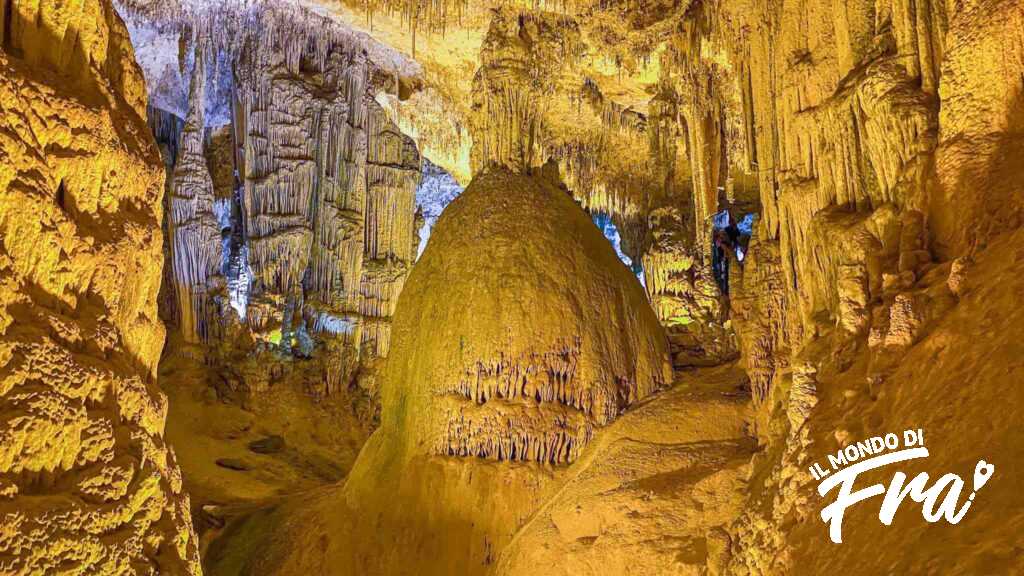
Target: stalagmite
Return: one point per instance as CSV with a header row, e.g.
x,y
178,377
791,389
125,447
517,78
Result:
x,y
195,241
516,342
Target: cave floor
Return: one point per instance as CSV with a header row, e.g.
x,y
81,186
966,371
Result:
x,y
673,464
241,455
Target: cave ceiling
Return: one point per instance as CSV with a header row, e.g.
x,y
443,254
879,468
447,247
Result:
x,y
599,66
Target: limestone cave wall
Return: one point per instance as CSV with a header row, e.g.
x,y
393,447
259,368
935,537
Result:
x,y
87,483
822,201
846,122
316,197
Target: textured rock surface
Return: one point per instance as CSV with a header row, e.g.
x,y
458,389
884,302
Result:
x,y
656,492
589,351
299,226
544,89
290,223
87,484
870,138
868,135
829,189
194,243
538,338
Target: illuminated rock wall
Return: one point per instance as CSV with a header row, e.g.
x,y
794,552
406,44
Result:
x,y
390,243
87,484
194,233
313,182
578,376
302,157
329,204
876,140
845,118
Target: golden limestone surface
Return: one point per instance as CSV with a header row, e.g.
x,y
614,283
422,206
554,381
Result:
x,y
875,142
520,340
87,484
811,213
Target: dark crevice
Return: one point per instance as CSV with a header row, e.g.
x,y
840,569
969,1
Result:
x,y
8,10
61,198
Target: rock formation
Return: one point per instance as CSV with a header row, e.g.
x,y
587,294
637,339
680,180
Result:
x,y
87,484
820,204
194,245
315,196
539,338
675,467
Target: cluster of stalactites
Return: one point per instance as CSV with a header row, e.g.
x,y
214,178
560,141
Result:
x,y
699,91
856,137
392,174
166,127
530,59
591,159
432,16
523,60
329,202
537,407
303,153
854,126
851,132
437,16
613,115
195,240
437,121
257,29
548,434
327,183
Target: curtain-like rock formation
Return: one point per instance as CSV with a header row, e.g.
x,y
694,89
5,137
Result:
x,y
329,192
195,240
315,198
87,484
839,119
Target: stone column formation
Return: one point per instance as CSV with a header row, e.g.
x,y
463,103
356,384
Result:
x,y
194,243
325,200
87,484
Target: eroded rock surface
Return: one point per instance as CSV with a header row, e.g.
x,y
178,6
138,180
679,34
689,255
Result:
x,y
87,483
830,191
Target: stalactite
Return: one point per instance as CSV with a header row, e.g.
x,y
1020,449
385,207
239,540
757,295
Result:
x,y
506,120
328,187
392,174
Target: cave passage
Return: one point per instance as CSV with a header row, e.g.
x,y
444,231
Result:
x,y
436,287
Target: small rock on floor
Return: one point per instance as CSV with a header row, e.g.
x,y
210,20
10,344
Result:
x,y
232,464
267,445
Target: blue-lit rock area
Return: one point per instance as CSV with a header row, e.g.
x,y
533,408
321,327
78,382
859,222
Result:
x,y
436,190
607,227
